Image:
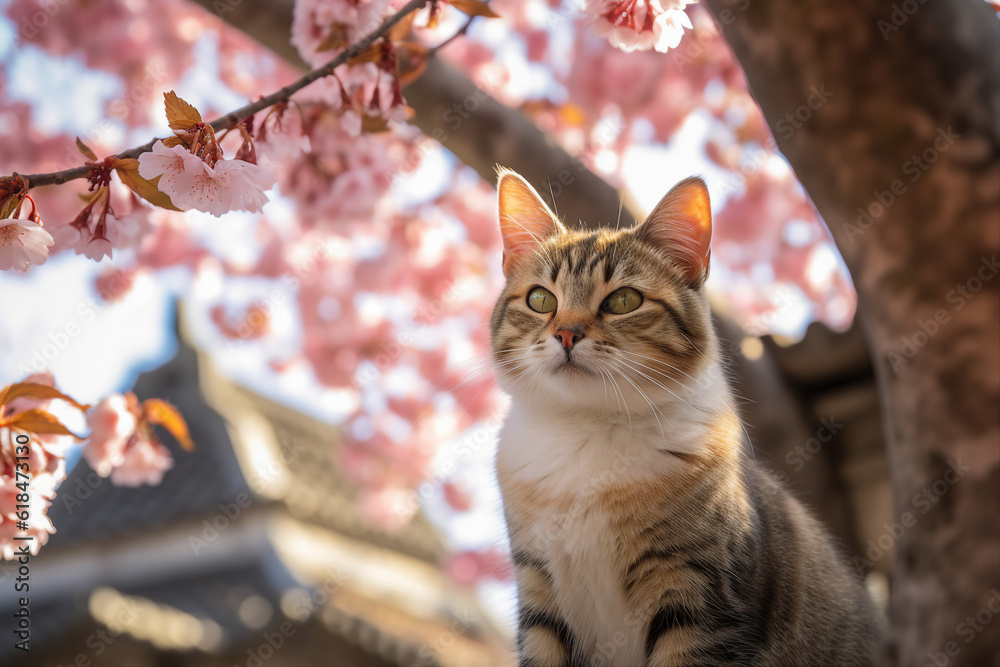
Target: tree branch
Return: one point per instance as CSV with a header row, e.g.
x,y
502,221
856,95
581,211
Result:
x,y
233,118
465,119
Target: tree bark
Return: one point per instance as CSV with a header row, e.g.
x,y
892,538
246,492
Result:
x,y
889,116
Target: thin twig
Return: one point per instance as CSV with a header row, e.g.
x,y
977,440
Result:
x,y
233,118
465,28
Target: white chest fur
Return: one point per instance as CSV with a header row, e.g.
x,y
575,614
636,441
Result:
x,y
573,461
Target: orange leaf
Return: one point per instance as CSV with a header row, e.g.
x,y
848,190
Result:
x,y
180,114
39,422
474,8
170,142
160,412
572,114
146,189
86,150
35,390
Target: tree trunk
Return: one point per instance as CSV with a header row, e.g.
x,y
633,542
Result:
x,y
889,116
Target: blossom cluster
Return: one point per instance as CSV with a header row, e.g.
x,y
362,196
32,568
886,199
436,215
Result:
x,y
640,25
34,443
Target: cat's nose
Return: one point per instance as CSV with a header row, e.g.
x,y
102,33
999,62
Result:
x,y
569,337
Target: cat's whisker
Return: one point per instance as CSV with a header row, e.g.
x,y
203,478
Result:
x,y
629,365
521,377
701,383
624,401
604,381
472,374
652,407
476,365
605,375
742,425
621,363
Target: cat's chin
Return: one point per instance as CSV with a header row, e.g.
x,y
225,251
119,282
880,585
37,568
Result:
x,y
569,367
568,386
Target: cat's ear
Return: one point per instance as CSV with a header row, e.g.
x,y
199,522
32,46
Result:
x,y
525,220
681,224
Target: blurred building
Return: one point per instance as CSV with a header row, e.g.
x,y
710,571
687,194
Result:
x,y
252,551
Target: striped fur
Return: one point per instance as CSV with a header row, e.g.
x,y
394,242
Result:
x,y
641,533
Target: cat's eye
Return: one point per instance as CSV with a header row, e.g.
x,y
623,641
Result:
x,y
622,301
541,300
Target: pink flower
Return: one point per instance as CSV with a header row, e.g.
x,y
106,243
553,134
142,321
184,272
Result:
x,y
192,184
248,183
350,122
111,423
22,244
144,462
640,25
281,135
71,236
39,525
97,248
314,20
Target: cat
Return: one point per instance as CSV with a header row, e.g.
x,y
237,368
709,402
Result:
x,y
641,532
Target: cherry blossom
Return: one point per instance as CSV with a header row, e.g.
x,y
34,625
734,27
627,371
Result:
x,y
333,24
112,423
640,25
281,135
191,183
144,462
39,527
23,244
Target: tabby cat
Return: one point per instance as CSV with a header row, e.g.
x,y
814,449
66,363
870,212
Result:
x,y
641,532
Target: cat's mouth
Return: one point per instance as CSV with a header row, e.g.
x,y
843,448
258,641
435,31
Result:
x,y
568,364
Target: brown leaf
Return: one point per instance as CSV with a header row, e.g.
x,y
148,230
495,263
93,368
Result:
x,y
402,29
35,390
87,151
474,8
39,422
372,54
146,189
170,142
12,192
373,124
180,114
337,38
411,61
160,412
409,74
